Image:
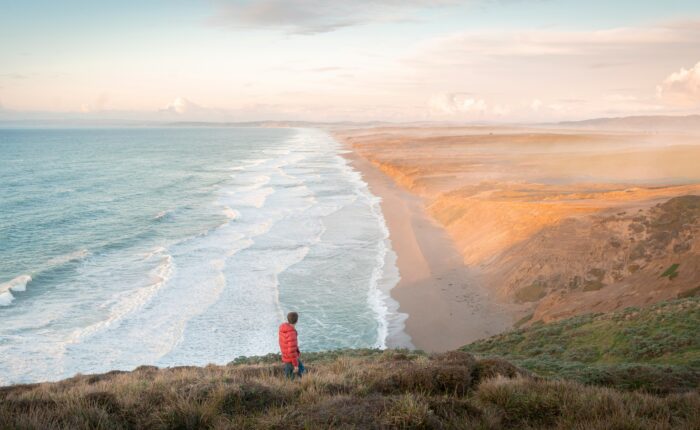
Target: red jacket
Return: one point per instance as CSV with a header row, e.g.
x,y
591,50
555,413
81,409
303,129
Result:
x,y
288,344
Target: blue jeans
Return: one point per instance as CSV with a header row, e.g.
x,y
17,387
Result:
x,y
289,370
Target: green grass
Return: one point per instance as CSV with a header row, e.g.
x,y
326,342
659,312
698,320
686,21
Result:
x,y
671,272
655,348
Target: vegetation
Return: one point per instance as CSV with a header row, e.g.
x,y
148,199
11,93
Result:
x,y
689,293
634,369
531,293
671,272
656,349
362,389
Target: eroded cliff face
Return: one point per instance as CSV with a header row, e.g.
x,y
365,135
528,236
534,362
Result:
x,y
513,205
601,253
606,261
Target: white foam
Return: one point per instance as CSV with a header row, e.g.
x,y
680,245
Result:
x,y
252,199
162,214
6,298
16,284
231,214
276,151
385,274
250,163
129,302
156,251
255,183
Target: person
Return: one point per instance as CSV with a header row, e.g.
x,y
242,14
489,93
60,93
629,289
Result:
x,y
289,347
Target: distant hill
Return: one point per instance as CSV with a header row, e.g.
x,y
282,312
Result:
x,y
651,123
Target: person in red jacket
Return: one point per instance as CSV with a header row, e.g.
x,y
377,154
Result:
x,y
290,347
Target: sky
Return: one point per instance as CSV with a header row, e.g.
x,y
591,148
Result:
x,y
333,60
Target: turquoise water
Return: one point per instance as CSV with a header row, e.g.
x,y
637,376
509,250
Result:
x,y
122,247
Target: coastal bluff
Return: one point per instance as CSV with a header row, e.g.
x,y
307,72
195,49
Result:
x,y
543,382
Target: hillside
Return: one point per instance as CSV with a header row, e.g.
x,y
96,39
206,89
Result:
x,y
631,256
351,389
656,348
632,369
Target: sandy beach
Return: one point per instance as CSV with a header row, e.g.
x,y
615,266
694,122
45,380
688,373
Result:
x,y
500,226
446,305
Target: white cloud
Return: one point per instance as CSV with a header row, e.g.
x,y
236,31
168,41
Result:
x,y
182,106
612,46
315,16
464,105
536,104
682,87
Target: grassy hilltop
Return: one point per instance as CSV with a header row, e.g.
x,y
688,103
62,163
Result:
x,y
629,370
656,348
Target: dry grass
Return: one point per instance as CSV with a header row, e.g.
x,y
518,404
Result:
x,y
369,389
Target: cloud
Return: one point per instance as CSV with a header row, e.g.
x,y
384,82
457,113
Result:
x,y
315,16
182,106
463,105
533,74
182,109
536,104
608,47
14,76
681,88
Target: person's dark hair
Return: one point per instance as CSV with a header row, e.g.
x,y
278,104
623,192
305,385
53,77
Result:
x,y
292,317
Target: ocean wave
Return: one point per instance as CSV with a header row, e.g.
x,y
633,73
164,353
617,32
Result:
x,y
67,258
162,214
250,163
256,182
276,151
131,301
382,279
17,284
256,199
156,251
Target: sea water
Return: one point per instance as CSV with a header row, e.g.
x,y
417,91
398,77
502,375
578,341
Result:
x,y
183,246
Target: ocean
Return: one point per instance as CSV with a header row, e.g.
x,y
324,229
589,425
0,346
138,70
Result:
x,y
121,247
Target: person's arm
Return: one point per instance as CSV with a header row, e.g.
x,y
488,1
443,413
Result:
x,y
294,347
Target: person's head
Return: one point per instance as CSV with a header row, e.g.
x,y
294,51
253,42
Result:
x,y
292,318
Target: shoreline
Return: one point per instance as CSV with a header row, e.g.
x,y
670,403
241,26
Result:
x,y
446,305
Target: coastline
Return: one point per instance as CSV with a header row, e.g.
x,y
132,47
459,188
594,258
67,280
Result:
x,y
445,303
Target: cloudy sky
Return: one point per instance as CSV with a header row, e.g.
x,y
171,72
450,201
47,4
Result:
x,y
324,60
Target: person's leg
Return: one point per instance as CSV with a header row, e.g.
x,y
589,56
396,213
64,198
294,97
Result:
x,y
289,370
